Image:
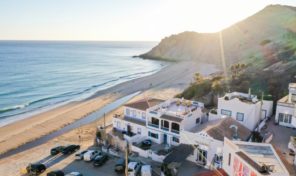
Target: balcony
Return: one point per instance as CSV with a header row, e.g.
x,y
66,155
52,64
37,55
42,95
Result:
x,y
165,128
175,131
153,125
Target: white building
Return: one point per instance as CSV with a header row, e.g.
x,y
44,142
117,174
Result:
x,y
166,120
245,108
252,159
286,108
133,120
208,140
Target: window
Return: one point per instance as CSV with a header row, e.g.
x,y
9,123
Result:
x,y
153,135
175,127
139,130
155,121
143,115
165,124
202,156
240,116
197,121
229,159
134,113
226,112
285,118
128,112
175,139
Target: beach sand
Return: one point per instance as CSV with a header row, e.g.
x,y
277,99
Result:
x,y
164,84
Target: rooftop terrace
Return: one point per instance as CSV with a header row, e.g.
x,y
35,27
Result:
x,y
259,154
178,107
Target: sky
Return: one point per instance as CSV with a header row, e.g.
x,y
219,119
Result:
x,y
120,20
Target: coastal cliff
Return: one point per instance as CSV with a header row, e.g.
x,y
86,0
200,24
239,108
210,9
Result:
x,y
269,34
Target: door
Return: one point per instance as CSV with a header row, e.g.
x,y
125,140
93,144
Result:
x,y
165,138
263,114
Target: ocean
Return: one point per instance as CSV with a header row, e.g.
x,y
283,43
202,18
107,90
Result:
x,y
35,75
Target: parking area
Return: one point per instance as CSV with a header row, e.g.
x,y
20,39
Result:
x,y
280,138
68,164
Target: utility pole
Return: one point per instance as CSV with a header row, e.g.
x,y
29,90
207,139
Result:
x,y
126,159
104,120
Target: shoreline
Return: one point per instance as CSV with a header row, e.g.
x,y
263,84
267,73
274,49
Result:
x,y
82,97
174,76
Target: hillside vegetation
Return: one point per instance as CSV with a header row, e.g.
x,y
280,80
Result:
x,y
260,54
268,35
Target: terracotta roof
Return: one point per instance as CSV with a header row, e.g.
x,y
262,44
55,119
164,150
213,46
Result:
x,y
171,118
218,172
218,129
144,104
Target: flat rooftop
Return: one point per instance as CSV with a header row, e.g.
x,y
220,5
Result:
x,y
285,100
259,154
244,97
178,107
144,104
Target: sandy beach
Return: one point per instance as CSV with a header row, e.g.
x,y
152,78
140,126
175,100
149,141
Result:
x,y
165,84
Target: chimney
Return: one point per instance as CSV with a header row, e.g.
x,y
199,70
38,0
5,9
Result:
x,y
249,93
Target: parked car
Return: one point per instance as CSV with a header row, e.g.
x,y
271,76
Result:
x,y
35,169
89,155
57,150
120,165
56,173
146,170
74,174
134,168
147,143
70,149
99,160
79,155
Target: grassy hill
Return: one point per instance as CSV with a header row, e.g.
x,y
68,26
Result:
x,y
264,43
266,37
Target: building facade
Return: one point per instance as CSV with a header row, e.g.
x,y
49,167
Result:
x,y
166,120
251,159
286,108
245,108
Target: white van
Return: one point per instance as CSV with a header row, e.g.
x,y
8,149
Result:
x,y
133,168
146,170
90,154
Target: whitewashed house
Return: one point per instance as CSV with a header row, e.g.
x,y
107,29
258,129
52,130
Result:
x,y
245,108
166,120
252,159
208,139
133,120
286,108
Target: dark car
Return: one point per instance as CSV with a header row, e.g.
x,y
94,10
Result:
x,y
56,150
35,169
70,149
56,173
120,165
99,160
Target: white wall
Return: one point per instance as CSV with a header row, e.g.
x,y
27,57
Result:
x,y
121,125
135,113
190,122
285,110
251,111
267,105
204,142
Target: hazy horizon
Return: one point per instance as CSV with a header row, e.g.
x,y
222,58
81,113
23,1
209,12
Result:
x,y
131,20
